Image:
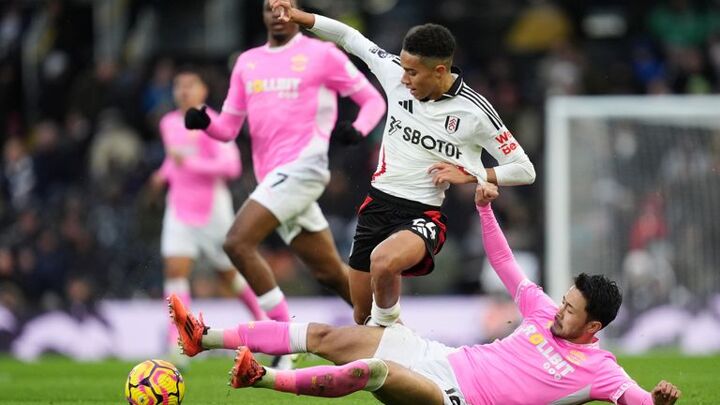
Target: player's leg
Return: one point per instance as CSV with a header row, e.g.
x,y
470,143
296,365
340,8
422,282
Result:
x,y
179,248
361,294
318,251
396,254
241,289
211,238
338,345
252,225
405,387
176,271
390,382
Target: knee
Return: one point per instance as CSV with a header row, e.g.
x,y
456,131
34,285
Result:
x,y
318,339
330,275
236,245
382,263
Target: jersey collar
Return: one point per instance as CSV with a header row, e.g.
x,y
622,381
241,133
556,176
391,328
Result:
x,y
281,48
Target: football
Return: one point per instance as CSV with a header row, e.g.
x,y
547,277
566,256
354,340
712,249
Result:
x,y
154,382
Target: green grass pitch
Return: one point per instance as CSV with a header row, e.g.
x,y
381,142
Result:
x,y
59,381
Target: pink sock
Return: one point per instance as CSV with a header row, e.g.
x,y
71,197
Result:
x,y
280,312
324,381
267,337
172,330
250,299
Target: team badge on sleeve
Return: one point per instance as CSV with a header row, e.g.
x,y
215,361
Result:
x,y
451,124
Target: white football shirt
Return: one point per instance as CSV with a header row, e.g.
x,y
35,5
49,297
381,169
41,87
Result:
x,y
454,129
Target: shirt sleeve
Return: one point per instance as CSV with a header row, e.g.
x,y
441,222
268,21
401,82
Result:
x,y
527,295
613,382
340,73
385,66
235,100
532,301
514,166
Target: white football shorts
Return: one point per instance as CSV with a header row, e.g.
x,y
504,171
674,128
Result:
x,y
291,192
423,356
183,240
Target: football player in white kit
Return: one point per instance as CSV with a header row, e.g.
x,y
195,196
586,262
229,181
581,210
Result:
x,y
436,124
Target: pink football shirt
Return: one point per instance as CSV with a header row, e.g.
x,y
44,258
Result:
x,y
289,95
532,365
207,164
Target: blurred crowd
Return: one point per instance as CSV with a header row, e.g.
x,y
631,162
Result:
x,y
78,223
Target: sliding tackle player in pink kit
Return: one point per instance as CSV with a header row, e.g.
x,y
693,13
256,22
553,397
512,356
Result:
x,y
553,357
287,90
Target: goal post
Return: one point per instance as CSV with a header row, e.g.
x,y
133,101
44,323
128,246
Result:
x,y
609,158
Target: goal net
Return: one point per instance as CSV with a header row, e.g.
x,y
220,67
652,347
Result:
x,y
633,192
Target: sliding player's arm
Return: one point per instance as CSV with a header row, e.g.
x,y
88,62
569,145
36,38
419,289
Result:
x,y
385,66
497,249
664,393
527,295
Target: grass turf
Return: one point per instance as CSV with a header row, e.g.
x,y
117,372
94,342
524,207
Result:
x,y
60,381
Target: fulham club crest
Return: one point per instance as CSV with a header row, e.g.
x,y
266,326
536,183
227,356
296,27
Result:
x,y
451,124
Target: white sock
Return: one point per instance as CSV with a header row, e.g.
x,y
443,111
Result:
x,y
378,374
385,316
213,339
176,285
271,299
298,337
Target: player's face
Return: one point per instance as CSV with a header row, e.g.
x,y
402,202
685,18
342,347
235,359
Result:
x,y
571,321
278,31
189,91
423,81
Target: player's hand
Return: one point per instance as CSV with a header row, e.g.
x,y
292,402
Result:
x,y
665,393
449,173
346,133
484,193
197,118
281,10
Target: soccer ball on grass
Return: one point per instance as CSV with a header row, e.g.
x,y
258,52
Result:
x,y
154,382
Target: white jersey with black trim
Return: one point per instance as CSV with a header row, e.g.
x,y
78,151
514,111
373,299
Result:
x,y
454,129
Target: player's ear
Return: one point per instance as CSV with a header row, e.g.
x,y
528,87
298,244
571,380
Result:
x,y
594,327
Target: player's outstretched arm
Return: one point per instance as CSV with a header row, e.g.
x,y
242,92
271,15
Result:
x,y
496,247
380,62
664,393
223,127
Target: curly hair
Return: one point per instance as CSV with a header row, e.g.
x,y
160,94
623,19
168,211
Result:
x,y
603,297
430,41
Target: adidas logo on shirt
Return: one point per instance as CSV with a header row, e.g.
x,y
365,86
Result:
x,y
407,104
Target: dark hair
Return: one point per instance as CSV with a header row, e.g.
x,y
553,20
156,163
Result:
x,y
603,297
430,41
188,69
